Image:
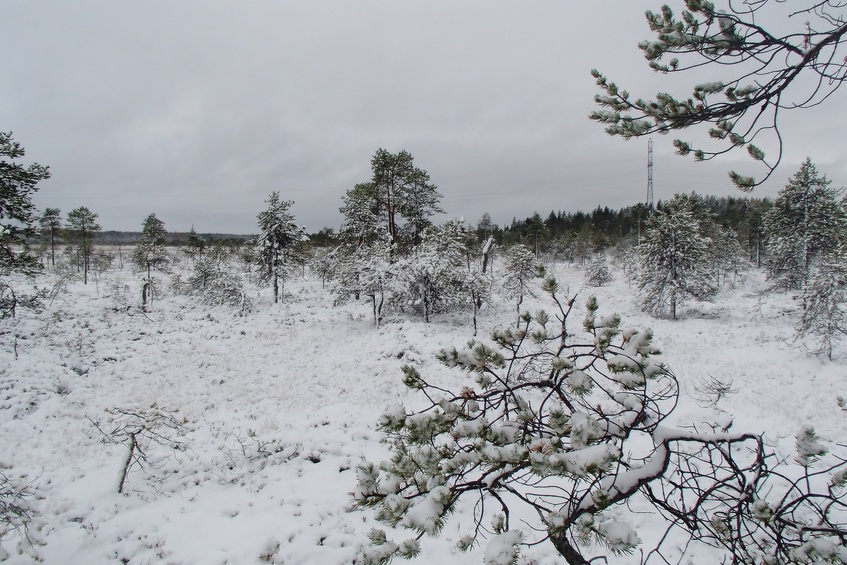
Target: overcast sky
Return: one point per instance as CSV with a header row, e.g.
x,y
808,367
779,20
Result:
x,y
197,110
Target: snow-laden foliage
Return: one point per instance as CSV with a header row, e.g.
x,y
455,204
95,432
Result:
x,y
673,259
754,53
17,224
279,244
597,272
520,269
805,223
364,270
824,314
150,253
215,282
430,278
552,429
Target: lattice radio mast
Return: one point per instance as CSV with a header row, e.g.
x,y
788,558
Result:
x,y
649,175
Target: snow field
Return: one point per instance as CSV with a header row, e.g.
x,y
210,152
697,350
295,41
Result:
x,y
281,405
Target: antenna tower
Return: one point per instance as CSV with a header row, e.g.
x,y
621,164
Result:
x,y
649,174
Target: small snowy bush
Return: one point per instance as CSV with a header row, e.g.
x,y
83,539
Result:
x,y
597,273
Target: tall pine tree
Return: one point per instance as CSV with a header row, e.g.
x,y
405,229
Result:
x,y
17,213
81,228
399,198
51,226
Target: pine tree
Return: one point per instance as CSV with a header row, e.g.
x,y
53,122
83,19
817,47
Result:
x,y
194,245
757,64
806,222
520,267
825,302
429,278
150,252
597,273
51,226
368,272
724,253
399,197
279,245
673,258
418,203
17,212
81,228
361,211
553,431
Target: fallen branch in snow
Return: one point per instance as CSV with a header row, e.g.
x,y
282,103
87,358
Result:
x,y
138,428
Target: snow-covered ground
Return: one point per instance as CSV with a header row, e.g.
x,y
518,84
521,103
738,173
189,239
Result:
x,y
279,406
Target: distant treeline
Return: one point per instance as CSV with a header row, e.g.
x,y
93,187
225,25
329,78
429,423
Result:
x,y
604,227
580,233
171,238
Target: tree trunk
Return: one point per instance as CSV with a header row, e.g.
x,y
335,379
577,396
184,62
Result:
x,y
127,463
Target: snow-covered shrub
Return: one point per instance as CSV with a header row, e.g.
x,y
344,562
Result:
x,y
364,271
215,284
429,279
228,288
521,268
546,436
13,297
597,273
